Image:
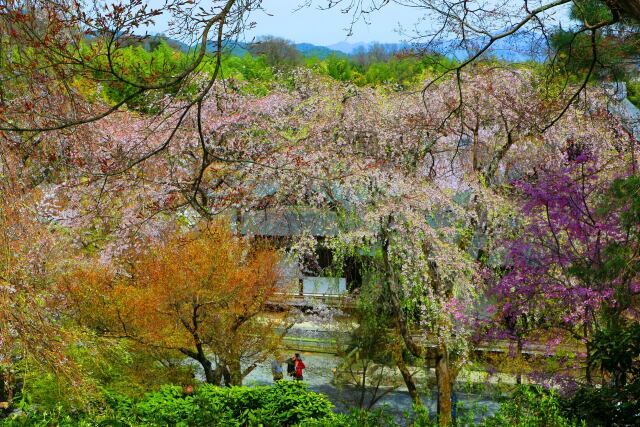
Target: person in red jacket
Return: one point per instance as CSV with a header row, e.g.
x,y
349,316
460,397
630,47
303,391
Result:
x,y
299,364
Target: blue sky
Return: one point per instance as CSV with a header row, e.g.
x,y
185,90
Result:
x,y
326,27
321,27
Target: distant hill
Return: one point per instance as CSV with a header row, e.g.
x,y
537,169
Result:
x,y
351,48
149,42
513,49
348,48
313,51
517,48
307,50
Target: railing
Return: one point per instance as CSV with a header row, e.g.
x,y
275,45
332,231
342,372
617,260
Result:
x,y
308,299
330,345
313,345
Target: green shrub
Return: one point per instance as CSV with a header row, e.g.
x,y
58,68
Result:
x,y
378,417
633,92
285,404
531,406
607,405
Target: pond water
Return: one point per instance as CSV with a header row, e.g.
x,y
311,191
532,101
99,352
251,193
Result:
x,y
319,375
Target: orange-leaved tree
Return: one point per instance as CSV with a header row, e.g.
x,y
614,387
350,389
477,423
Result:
x,y
202,293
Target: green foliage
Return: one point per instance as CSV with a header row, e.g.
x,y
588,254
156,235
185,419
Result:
x,y
379,417
286,403
117,366
575,53
616,350
278,53
622,256
49,391
134,66
633,92
614,49
401,72
625,192
155,66
246,68
158,63
531,406
58,416
341,69
590,11
606,405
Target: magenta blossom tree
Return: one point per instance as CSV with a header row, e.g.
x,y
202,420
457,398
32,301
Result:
x,y
561,282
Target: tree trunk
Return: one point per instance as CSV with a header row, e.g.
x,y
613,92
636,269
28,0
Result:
x,y
392,288
630,8
235,373
588,376
211,376
519,361
408,380
218,373
209,373
363,384
588,354
443,379
227,376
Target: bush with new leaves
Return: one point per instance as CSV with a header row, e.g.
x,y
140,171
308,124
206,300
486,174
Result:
x,y
287,403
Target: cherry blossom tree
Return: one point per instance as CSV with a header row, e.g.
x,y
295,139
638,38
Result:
x,y
433,208
62,56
